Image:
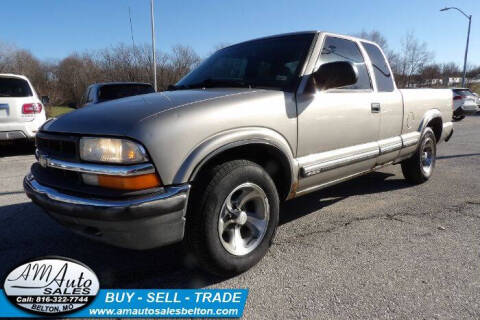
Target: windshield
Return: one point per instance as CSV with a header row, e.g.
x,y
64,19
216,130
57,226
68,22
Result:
x,y
117,91
13,87
271,63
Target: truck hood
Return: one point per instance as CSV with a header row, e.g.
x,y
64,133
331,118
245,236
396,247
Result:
x,y
118,117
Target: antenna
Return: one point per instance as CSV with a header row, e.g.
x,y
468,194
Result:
x,y
131,27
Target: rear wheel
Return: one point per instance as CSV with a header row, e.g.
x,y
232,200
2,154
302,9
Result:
x,y
419,167
232,217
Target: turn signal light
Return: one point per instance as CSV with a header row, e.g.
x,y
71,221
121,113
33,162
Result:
x,y
144,181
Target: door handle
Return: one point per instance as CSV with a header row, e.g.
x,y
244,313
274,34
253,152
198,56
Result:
x,y
375,107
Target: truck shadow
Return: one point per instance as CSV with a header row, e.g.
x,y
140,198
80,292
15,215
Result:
x,y
17,148
374,182
458,156
27,232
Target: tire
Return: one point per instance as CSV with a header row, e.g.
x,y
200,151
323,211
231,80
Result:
x,y
228,191
419,168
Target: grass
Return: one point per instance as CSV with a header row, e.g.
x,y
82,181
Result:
x,y
475,87
55,111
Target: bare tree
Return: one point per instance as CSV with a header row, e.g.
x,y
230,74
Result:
x,y
374,36
218,46
431,75
473,71
6,53
74,74
183,59
413,56
19,61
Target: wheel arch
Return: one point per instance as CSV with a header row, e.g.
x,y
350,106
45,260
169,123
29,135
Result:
x,y
263,146
433,119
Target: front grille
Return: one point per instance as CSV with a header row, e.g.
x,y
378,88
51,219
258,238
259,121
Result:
x,y
58,146
55,177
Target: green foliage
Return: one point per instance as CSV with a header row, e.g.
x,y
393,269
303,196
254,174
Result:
x,y
475,87
55,111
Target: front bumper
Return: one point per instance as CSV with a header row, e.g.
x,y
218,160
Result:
x,y
142,222
470,108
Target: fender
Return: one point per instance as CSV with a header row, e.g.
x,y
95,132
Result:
x,y
429,116
230,139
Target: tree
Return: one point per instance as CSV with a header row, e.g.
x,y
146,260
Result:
x,y
473,72
451,69
379,39
74,74
374,36
6,54
430,75
412,58
183,59
218,46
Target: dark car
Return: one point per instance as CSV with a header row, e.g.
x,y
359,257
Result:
x,y
100,92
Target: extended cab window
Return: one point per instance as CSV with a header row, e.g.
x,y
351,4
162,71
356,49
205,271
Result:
x,y
13,87
383,76
337,49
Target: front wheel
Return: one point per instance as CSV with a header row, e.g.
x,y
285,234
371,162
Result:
x,y
232,218
419,168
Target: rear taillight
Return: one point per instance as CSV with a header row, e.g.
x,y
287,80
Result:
x,y
457,98
31,108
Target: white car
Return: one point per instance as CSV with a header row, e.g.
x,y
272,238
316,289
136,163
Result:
x,y
21,111
464,102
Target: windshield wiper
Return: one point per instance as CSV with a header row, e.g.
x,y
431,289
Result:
x,y
212,83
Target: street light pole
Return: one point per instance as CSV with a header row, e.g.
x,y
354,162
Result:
x,y
469,17
466,53
153,47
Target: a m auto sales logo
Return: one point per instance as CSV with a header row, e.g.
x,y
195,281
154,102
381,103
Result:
x,y
51,285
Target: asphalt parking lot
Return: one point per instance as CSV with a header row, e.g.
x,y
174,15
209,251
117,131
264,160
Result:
x,y
373,247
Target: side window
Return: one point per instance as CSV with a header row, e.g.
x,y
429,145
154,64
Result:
x,y
337,49
380,68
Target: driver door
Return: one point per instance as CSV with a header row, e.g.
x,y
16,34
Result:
x,y
337,128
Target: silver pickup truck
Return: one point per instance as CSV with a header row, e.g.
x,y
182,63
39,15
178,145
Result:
x,y
209,160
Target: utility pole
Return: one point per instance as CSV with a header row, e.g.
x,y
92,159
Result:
x,y
466,52
153,47
469,17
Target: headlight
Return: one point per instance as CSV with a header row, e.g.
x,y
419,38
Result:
x,y
111,150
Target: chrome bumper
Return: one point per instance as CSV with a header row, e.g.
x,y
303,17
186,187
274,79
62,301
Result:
x,y
447,131
141,222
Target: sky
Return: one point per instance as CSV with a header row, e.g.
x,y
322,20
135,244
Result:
x,y
53,29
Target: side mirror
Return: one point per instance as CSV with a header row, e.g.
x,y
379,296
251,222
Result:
x,y
72,105
45,100
335,75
